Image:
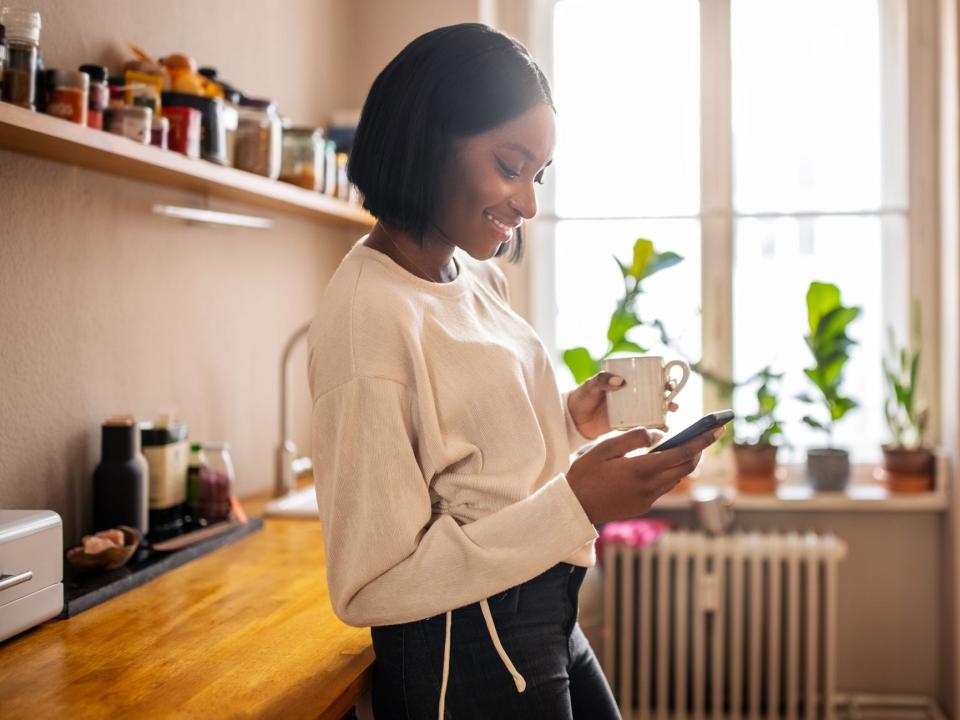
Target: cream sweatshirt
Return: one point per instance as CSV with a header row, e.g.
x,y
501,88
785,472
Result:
x,y
440,443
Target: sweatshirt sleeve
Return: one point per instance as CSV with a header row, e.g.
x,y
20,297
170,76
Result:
x,y
574,438
389,560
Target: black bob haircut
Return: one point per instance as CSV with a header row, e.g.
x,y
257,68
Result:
x,y
450,83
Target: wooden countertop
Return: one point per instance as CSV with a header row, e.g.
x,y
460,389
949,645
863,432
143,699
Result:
x,y
244,631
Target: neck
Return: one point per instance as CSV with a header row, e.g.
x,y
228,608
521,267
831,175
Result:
x,y
430,262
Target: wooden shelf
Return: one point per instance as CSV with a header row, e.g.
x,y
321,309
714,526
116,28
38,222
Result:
x,y
54,139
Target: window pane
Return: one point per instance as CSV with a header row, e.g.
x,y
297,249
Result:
x,y
806,105
589,283
775,262
626,90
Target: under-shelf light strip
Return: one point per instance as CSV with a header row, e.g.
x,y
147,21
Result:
x,y
212,217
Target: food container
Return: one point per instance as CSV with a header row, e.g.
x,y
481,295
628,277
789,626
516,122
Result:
x,y
302,157
133,122
31,569
67,92
165,446
330,168
22,28
213,141
184,134
98,97
159,132
259,138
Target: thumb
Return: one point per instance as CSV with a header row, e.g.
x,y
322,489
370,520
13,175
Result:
x,y
620,445
606,381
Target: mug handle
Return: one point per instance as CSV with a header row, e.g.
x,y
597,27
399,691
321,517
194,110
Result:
x,y
683,381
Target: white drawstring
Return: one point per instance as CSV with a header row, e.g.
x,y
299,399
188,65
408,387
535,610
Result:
x,y
446,662
518,679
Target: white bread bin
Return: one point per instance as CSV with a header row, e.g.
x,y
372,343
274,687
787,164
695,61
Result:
x,y
31,569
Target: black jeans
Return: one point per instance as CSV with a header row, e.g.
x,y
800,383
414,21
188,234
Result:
x,y
537,625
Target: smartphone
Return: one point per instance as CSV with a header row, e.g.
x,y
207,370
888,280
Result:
x,y
707,422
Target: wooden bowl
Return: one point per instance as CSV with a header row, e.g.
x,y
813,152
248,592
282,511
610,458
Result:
x,y
109,559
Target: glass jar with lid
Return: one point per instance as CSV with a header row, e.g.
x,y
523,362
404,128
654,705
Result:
x,y
22,29
302,157
258,138
218,482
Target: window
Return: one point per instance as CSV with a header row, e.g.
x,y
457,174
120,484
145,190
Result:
x,y
766,142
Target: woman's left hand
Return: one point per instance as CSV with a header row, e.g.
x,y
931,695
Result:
x,y
588,404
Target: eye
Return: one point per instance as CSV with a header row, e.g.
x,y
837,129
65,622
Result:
x,y
506,171
539,179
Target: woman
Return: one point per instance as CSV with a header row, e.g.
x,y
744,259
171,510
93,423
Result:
x,y
452,523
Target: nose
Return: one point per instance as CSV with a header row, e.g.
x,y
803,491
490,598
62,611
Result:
x,y
524,202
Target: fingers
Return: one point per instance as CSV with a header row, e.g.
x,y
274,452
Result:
x,y
607,381
691,450
620,445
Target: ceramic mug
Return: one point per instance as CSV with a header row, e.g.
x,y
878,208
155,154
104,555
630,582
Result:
x,y
644,398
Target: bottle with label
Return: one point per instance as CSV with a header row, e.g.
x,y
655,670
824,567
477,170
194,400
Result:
x,y
167,451
118,479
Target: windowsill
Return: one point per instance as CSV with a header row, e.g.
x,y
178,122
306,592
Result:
x,y
865,493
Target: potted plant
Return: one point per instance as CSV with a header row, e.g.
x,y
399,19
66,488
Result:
x,y
645,262
828,468
754,450
907,461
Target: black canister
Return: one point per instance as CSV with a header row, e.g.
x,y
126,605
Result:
x,y
213,137
119,487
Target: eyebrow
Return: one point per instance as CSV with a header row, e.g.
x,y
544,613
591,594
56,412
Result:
x,y
523,149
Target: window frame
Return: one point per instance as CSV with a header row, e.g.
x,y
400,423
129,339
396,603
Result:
x,y
911,172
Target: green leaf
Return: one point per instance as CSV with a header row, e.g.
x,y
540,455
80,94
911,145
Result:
x,y
624,269
642,252
821,299
804,397
841,407
835,322
621,322
661,261
581,364
813,423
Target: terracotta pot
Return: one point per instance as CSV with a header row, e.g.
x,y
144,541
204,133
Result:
x,y
758,460
908,469
756,468
828,469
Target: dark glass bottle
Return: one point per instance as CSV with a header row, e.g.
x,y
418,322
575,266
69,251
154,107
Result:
x,y
118,482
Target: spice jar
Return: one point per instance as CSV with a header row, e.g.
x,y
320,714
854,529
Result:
x,y
258,141
22,29
67,92
216,483
184,135
330,168
98,96
133,122
302,157
159,132
3,53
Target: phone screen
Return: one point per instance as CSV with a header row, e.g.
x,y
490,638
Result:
x,y
707,422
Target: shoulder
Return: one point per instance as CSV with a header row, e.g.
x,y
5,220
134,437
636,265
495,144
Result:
x,y
362,325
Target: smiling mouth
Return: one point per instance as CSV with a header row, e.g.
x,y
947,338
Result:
x,y
504,230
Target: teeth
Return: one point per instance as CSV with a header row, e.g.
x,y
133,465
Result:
x,y
505,228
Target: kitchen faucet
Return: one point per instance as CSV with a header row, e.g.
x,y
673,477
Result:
x,y
289,466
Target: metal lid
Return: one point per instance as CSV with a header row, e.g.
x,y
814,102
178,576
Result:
x,y
21,24
97,73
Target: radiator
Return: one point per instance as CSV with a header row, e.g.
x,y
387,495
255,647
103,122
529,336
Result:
x,y
737,626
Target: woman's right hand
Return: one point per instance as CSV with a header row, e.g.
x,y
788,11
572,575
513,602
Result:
x,y
611,486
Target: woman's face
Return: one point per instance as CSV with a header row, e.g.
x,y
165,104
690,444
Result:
x,y
488,187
